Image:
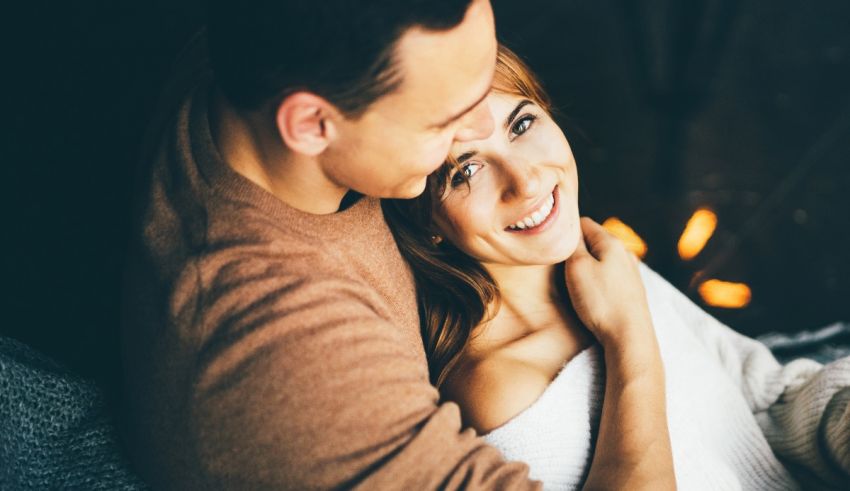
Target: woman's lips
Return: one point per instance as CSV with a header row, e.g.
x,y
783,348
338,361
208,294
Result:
x,y
542,226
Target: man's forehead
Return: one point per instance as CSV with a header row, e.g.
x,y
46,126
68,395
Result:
x,y
454,115
446,71
444,102
503,109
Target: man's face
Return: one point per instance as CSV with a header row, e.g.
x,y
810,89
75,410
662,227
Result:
x,y
404,136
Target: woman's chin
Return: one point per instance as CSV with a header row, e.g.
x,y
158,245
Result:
x,y
565,252
556,250
556,254
567,241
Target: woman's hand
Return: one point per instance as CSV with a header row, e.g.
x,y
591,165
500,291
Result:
x,y
606,290
633,444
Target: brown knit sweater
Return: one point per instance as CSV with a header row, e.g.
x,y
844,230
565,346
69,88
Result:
x,y
265,347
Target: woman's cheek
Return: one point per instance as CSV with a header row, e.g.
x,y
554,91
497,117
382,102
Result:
x,y
456,216
477,220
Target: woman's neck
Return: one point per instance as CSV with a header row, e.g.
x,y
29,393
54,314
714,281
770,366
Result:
x,y
528,288
530,301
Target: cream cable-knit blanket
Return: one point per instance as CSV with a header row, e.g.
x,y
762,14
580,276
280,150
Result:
x,y
737,418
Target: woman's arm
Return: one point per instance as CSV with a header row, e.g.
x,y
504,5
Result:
x,y
803,407
633,446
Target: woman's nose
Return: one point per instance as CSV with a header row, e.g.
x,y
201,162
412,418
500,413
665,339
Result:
x,y
522,180
477,124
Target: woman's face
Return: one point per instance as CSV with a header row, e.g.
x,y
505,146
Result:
x,y
521,204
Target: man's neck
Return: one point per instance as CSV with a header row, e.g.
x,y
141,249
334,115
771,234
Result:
x,y
261,157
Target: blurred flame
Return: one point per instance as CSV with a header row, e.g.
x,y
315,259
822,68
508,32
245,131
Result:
x,y
699,229
630,239
725,294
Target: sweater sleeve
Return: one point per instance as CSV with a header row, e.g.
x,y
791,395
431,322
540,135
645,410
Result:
x,y
802,407
304,386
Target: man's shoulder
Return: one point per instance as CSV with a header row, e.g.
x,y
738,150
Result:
x,y
242,240
248,232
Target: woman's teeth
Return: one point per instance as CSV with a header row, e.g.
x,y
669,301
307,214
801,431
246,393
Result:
x,y
536,217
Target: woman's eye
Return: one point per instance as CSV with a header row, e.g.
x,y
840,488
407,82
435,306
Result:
x,y
523,124
465,173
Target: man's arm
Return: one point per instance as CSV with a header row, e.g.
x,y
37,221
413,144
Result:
x,y
291,394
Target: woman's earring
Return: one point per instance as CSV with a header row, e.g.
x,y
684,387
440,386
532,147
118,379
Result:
x,y
436,239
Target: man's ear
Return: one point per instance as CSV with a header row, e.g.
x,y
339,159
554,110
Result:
x,y
305,122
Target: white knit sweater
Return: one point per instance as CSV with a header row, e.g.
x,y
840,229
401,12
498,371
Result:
x,y
737,418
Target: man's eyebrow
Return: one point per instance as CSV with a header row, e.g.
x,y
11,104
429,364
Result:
x,y
516,111
466,156
459,115
472,153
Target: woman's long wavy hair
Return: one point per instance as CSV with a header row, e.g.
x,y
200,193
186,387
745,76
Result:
x,y
455,292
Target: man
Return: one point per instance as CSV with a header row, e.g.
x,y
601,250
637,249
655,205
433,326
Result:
x,y
271,336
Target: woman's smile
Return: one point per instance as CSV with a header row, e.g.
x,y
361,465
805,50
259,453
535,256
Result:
x,y
538,220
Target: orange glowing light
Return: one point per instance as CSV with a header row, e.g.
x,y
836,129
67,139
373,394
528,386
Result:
x,y
725,294
699,229
630,239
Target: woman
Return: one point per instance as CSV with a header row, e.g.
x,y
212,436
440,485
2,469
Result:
x,y
491,242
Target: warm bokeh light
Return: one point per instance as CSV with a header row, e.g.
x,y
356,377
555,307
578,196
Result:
x,y
699,229
632,240
725,294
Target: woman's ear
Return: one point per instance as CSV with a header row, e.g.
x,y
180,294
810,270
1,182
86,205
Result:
x,y
305,122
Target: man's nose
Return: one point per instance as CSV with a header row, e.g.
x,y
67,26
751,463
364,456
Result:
x,y
477,124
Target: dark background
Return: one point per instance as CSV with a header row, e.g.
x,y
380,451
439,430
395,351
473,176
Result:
x,y
743,106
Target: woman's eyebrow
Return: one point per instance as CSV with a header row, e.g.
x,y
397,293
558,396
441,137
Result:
x,y
516,111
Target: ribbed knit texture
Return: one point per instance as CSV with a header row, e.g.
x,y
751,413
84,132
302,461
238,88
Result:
x,y
737,418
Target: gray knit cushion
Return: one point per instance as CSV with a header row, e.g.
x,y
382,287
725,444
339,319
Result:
x,y
55,432
822,345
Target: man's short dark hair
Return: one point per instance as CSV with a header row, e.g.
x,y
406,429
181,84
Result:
x,y
342,50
